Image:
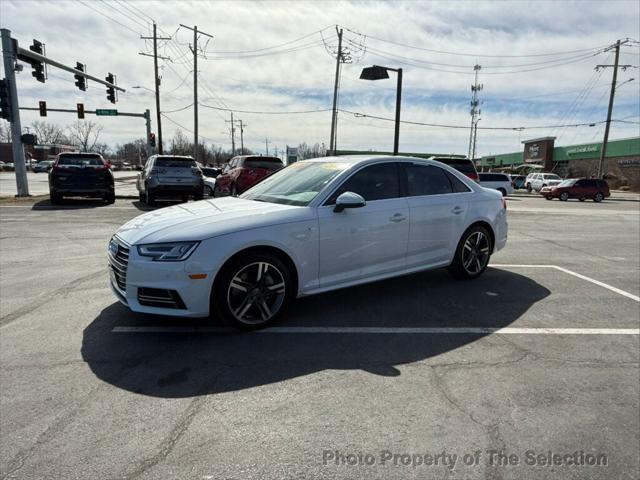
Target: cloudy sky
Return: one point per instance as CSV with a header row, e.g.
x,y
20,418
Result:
x,y
537,61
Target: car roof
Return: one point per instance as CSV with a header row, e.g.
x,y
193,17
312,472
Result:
x,y
357,160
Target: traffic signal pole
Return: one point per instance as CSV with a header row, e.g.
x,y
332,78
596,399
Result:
x,y
9,56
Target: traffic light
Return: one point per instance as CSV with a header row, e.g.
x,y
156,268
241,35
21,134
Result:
x,y
38,66
43,108
152,140
111,92
5,100
80,107
81,82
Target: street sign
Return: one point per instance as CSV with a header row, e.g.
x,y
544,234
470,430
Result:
x,y
107,112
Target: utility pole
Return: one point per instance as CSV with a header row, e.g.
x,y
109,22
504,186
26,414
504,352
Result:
x,y
266,144
334,115
242,125
233,135
475,137
9,55
474,111
603,151
194,50
157,80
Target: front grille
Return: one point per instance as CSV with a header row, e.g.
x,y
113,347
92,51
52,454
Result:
x,y
118,261
158,297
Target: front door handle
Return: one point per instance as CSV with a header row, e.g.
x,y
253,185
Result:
x,y
457,210
398,217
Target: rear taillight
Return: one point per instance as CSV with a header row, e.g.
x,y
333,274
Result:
x,y
473,176
504,203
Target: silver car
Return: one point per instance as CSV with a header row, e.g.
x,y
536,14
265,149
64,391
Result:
x,y
170,176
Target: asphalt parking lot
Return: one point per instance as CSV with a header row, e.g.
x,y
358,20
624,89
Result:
x,y
420,377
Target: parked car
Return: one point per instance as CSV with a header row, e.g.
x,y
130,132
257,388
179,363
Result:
x,y
9,167
580,188
497,181
2,164
536,181
314,226
170,176
243,172
81,175
463,165
43,166
518,181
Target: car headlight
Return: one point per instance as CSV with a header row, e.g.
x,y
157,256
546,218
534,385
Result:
x,y
168,252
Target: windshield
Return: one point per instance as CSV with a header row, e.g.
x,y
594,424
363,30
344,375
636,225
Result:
x,y
175,162
567,183
552,177
297,184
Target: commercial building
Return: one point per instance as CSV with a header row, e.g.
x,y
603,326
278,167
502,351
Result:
x,y
621,164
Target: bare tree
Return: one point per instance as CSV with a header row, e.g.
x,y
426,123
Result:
x,y
317,150
49,133
5,133
85,135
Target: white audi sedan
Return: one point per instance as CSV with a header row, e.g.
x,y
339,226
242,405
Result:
x,y
314,226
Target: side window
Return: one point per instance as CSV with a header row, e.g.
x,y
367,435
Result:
x,y
427,180
456,184
376,182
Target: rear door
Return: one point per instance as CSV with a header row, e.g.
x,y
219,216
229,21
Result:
x,y
438,204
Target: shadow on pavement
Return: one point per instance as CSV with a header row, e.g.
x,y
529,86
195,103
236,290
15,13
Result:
x,y
70,204
176,365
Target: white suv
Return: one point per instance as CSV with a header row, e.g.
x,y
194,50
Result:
x,y
497,181
536,181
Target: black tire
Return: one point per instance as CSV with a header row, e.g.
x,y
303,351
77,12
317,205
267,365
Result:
x,y
548,197
503,192
216,191
208,191
233,191
184,198
149,197
529,189
141,197
581,199
55,198
564,196
199,195
472,254
110,198
598,197
243,294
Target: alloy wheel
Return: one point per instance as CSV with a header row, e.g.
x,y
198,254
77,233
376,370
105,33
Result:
x,y
256,293
475,252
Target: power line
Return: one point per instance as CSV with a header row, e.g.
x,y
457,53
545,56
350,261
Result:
x,y
464,54
179,109
266,113
232,52
110,18
439,125
113,7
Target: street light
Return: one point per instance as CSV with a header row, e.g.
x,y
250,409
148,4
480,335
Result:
x,y
377,72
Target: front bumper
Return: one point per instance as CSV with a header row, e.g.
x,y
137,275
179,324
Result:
x,y
143,275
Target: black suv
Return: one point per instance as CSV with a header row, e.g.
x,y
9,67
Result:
x,y
81,175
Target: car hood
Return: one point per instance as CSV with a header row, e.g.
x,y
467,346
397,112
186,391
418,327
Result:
x,y
206,219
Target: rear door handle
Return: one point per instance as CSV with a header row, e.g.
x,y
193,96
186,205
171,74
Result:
x,y
398,217
457,210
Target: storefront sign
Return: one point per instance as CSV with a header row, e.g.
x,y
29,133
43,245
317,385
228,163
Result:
x,y
585,149
629,162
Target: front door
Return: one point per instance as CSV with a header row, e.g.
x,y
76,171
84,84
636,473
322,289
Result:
x,y
364,242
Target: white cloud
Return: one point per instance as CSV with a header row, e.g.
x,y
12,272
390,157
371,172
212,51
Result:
x,y
303,79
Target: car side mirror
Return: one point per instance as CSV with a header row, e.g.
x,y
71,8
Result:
x,y
348,200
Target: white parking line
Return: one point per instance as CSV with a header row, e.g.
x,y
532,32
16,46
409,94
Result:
x,y
577,275
391,330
